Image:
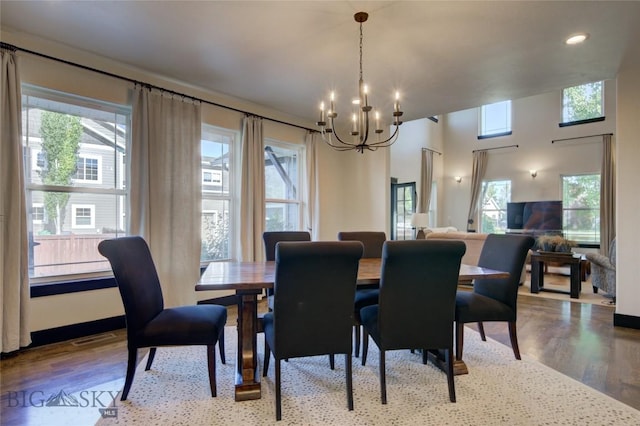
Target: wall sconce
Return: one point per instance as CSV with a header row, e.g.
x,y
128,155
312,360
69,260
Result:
x,y
420,221
458,179
534,173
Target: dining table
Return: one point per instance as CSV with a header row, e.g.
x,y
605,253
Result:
x,y
250,279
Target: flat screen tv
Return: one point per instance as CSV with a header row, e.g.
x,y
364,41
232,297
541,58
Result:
x,y
535,215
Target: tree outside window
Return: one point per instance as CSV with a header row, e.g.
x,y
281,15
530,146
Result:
x,y
581,208
583,102
493,208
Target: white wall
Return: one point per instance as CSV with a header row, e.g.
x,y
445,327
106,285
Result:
x,y
628,197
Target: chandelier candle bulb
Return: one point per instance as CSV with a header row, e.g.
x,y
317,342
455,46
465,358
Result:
x,y
321,111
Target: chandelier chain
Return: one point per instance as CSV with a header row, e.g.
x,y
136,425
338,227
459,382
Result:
x,y
360,51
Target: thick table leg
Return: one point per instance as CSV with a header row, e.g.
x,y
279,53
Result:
x,y
247,375
439,360
537,275
576,283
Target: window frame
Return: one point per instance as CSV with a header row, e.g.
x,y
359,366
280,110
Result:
x,y
482,210
507,130
298,201
564,122
216,134
72,282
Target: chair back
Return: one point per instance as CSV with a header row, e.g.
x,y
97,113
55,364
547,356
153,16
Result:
x,y
418,286
271,238
504,253
371,240
314,288
137,280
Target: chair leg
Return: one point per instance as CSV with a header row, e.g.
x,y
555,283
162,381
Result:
x,y
332,361
459,339
450,376
481,331
514,339
356,328
348,370
278,393
152,354
425,356
383,378
365,346
211,362
223,358
267,355
131,370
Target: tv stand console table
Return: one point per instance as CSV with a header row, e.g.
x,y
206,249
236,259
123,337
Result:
x,y
537,271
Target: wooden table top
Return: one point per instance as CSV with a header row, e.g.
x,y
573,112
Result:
x,y
260,275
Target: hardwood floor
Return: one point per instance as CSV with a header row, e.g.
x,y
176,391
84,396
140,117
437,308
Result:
x,y
576,339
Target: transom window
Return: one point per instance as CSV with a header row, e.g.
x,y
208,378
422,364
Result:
x,y
584,103
282,196
493,206
495,120
75,153
581,208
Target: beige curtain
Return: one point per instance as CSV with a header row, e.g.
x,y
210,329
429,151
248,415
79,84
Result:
x,y
477,174
166,194
426,181
310,196
14,254
252,195
607,196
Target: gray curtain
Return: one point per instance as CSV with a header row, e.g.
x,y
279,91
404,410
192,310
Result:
x,y
14,254
252,193
166,188
426,181
480,159
310,197
607,196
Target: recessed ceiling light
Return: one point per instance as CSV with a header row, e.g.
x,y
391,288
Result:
x,y
577,39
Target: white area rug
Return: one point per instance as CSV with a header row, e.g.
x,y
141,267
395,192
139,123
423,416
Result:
x,y
498,390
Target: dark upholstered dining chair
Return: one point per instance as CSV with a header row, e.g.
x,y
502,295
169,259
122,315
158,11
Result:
x,y
494,299
315,283
365,296
149,323
416,308
270,239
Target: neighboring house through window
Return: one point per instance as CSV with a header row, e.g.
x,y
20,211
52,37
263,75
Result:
x,y
282,176
217,149
495,120
75,157
493,206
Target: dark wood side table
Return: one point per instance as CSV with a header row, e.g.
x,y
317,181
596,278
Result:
x,y
538,259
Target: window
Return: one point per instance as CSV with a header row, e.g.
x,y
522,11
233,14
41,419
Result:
x,y
75,153
83,216
493,206
495,120
583,104
88,169
281,177
37,213
581,208
217,193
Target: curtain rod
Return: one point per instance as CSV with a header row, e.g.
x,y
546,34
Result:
x,y
581,137
7,46
432,150
498,147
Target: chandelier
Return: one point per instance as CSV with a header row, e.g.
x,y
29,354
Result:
x,y
360,127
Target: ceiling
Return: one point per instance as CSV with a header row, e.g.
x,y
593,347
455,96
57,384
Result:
x,y
442,56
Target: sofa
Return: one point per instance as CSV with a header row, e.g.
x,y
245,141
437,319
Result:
x,y
474,242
